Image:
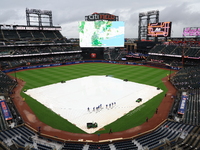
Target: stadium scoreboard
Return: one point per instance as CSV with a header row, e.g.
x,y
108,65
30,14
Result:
x,y
191,31
101,33
101,30
160,29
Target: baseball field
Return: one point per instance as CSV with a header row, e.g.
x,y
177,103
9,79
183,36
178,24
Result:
x,y
140,74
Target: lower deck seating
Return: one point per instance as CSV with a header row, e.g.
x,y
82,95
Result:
x,y
125,145
166,132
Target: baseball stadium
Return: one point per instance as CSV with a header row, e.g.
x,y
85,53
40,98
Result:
x,y
100,91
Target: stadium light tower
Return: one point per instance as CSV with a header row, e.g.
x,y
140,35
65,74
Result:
x,y
144,19
35,16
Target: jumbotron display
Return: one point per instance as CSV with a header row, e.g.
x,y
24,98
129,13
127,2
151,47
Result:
x,y
191,31
160,29
101,33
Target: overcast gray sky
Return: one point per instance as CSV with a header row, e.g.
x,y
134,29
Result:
x,y
67,13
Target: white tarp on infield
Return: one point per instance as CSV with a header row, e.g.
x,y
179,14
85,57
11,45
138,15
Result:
x,y
72,99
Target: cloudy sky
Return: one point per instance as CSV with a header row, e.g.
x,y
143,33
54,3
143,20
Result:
x,y
67,13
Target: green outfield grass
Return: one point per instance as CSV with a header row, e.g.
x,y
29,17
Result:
x,y
140,74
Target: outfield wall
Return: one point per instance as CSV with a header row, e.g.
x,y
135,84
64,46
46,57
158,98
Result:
x,y
86,61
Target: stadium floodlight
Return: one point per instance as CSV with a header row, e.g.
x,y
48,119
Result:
x,y
153,12
39,15
144,19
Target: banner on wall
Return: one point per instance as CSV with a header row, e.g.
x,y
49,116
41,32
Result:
x,y
5,110
182,106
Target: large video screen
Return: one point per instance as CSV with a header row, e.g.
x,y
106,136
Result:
x,y
160,29
101,33
191,31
